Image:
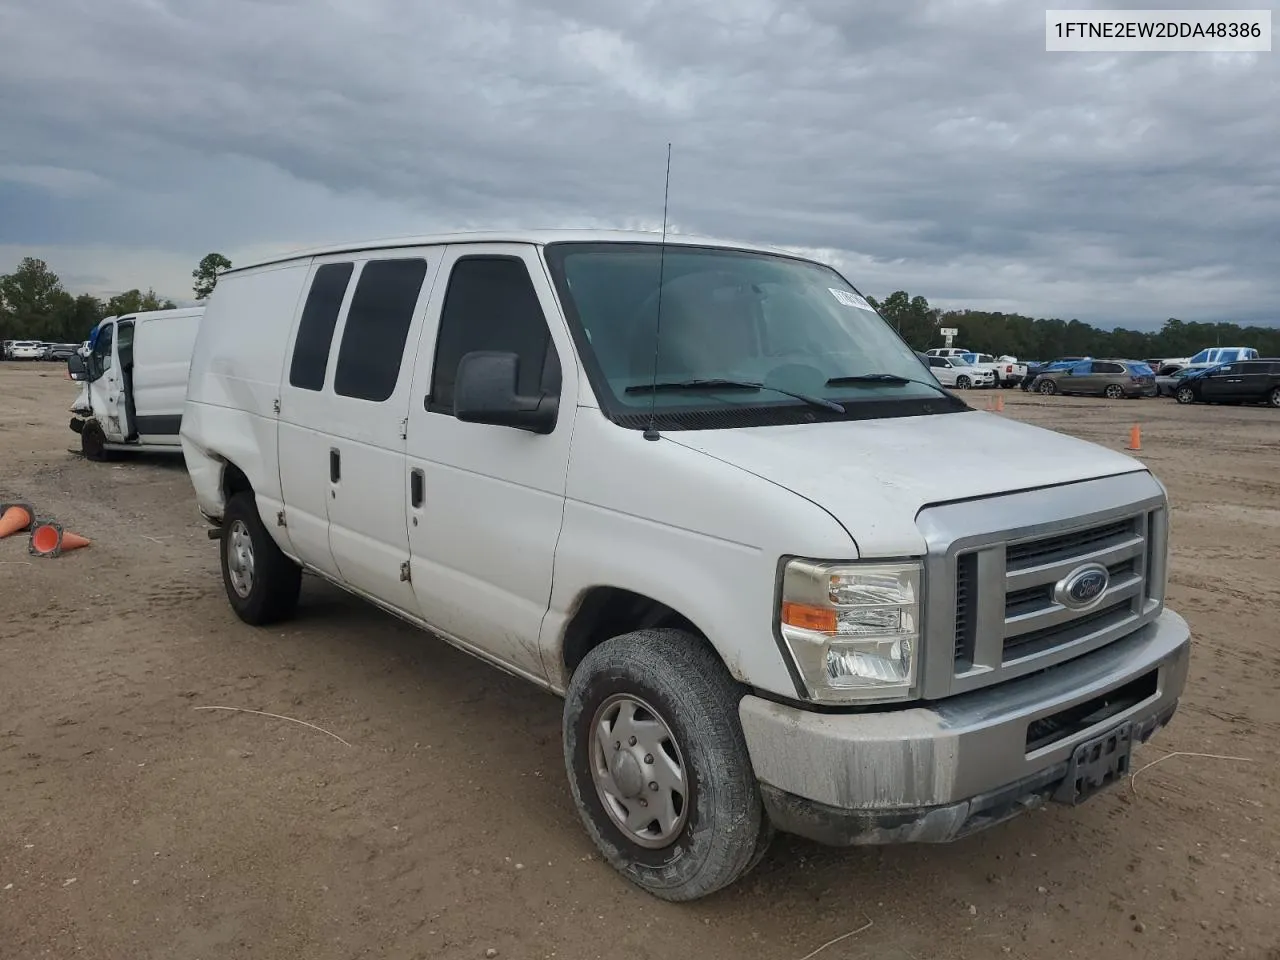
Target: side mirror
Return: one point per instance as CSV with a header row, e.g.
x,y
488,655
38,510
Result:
x,y
485,392
76,366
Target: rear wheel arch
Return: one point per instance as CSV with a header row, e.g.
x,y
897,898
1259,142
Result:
x,y
261,582
234,481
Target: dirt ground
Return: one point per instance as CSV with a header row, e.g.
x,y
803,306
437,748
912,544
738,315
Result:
x,y
135,825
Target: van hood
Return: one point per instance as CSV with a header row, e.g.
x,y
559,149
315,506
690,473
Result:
x,y
874,476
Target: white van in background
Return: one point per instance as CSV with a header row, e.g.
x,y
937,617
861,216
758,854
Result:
x,y
134,382
759,551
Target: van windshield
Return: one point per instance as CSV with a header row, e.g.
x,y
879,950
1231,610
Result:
x,y
733,316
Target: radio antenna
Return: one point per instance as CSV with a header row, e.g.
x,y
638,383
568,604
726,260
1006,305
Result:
x,y
650,432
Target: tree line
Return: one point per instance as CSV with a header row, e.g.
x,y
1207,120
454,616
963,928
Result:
x,y
1029,338
34,305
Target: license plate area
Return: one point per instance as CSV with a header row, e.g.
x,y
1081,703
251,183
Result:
x,y
1096,764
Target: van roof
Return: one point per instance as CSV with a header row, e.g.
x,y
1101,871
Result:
x,y
157,314
536,237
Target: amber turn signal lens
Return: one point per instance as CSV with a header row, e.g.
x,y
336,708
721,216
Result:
x,y
806,617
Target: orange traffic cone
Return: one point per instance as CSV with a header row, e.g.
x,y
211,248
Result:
x,y
48,539
1135,438
999,403
15,517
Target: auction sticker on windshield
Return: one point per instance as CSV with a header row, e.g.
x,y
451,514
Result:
x,y
851,299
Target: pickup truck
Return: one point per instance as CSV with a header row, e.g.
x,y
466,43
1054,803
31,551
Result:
x,y
1007,370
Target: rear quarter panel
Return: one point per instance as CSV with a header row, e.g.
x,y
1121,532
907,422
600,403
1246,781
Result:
x,y
229,415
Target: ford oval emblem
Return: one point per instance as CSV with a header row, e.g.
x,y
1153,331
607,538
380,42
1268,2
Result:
x,y
1082,587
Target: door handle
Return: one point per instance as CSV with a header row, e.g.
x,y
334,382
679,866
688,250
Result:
x,y
416,483
335,465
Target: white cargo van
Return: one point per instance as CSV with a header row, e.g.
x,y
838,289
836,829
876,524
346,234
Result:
x,y
134,382
708,495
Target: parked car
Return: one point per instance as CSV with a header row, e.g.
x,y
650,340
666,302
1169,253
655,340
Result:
x,y
134,382
777,591
1008,372
1115,379
955,372
26,350
947,351
59,351
1035,369
1249,381
1167,383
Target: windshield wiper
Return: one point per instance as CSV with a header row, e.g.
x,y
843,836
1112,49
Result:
x,y
713,384
891,379
869,378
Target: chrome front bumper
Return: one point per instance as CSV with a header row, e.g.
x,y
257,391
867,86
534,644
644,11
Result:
x,y
937,772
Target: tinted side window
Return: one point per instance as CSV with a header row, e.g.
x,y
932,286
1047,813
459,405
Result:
x,y
315,329
937,362
1107,368
377,325
102,349
124,343
491,304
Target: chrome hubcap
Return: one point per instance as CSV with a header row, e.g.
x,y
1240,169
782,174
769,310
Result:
x,y
240,558
638,771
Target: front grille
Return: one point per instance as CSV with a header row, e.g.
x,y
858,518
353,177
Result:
x,y
1037,641
1020,602
966,574
1006,612
1020,556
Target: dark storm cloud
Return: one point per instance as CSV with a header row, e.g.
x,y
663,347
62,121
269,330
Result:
x,y
932,146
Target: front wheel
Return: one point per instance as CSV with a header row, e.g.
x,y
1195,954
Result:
x,y
1185,395
1048,388
658,766
93,441
1114,391
262,583
963,383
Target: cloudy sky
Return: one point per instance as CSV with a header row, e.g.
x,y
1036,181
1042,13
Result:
x,y
932,146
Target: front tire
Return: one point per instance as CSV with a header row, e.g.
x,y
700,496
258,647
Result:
x,y
658,766
93,441
1185,395
1114,391
1273,397
963,383
1048,388
262,583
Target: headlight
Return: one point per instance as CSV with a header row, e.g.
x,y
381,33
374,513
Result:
x,y
853,629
